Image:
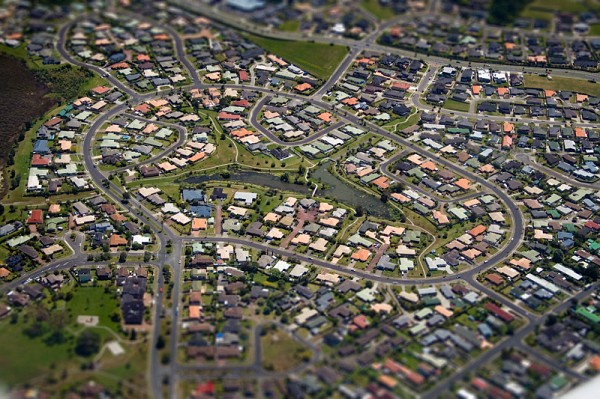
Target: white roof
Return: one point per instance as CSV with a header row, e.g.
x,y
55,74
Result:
x,y
567,272
282,265
181,218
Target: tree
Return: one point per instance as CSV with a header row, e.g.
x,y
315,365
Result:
x,y
55,338
558,256
34,330
115,316
591,273
87,344
160,342
359,211
551,320
137,246
122,257
503,12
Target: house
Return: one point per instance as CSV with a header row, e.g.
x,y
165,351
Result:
x,y
84,275
36,217
245,197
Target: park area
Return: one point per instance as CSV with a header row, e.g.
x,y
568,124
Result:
x,y
46,342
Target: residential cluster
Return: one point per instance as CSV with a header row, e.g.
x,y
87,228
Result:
x,y
377,85
476,41
55,166
139,54
293,120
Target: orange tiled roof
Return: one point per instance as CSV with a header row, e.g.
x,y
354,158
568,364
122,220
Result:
x,y
361,255
303,87
199,224
463,183
116,240
475,231
381,182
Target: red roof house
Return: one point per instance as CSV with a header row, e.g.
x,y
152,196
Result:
x,y
36,217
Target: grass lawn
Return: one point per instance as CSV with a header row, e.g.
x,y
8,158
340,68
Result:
x,y
419,220
561,83
280,351
412,120
595,30
456,105
92,301
129,368
537,14
318,59
464,320
379,11
20,52
400,124
22,358
575,6
290,26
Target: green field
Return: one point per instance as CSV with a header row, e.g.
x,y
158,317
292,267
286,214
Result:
x,y
318,59
22,358
20,52
290,26
379,11
560,83
401,124
92,301
575,6
412,120
456,105
595,30
537,14
280,351
545,9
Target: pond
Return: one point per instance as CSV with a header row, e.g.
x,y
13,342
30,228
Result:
x,y
334,188
345,193
260,179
